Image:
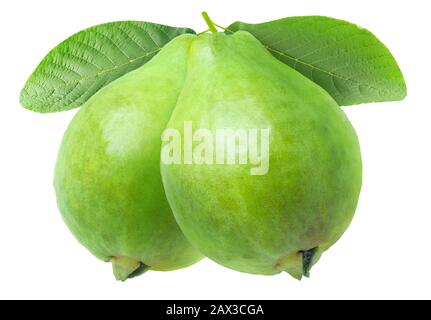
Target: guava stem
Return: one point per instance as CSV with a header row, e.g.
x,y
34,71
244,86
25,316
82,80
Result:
x,y
210,23
221,27
205,31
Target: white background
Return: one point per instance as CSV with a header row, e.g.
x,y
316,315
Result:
x,y
384,254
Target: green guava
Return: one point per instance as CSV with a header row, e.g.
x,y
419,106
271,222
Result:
x,y
107,177
110,190
268,223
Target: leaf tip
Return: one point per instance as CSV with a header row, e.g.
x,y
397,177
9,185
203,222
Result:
x,y
404,90
23,98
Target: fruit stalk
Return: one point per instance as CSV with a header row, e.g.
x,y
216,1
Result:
x,y
210,23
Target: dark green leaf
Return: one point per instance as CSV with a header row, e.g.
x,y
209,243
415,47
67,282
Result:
x,y
346,60
87,61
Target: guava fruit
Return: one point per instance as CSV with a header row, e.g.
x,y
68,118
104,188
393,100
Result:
x,y
282,220
107,176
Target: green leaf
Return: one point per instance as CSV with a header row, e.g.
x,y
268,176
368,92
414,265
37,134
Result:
x,y
87,61
346,60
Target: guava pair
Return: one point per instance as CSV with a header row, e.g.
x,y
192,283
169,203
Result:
x,y
127,207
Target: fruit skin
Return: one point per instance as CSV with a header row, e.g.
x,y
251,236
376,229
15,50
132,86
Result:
x,y
284,220
107,177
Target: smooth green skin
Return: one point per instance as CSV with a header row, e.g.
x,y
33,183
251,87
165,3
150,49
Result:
x,y
260,224
107,177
